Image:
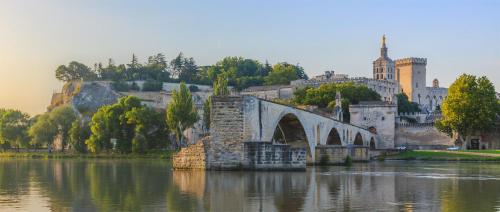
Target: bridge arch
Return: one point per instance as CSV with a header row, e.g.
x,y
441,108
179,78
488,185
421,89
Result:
x,y
372,144
333,138
289,129
358,140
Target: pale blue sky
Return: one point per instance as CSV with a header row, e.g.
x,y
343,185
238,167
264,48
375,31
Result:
x,y
36,36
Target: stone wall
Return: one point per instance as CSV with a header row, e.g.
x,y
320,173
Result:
x,y
377,116
328,154
420,135
268,156
191,157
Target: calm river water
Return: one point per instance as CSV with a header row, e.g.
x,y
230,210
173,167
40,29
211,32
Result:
x,y
151,185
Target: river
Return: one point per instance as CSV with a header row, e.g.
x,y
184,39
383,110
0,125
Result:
x,y
152,185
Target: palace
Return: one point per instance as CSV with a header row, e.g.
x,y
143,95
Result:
x,y
390,77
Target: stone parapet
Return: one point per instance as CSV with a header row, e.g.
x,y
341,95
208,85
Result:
x,y
410,61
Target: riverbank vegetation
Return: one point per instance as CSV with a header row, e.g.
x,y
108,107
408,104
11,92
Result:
x,y
437,155
153,154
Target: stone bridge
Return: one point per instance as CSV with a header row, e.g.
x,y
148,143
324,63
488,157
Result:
x,y
239,119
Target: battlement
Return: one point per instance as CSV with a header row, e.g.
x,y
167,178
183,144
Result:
x,y
411,61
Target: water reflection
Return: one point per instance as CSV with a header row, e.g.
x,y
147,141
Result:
x,y
145,185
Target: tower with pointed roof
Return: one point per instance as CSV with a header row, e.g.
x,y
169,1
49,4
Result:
x,y
383,67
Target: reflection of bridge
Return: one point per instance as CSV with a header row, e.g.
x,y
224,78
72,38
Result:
x,y
235,120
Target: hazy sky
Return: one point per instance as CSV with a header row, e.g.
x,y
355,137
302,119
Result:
x,y
36,36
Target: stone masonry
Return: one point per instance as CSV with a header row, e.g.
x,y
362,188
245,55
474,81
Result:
x,y
328,154
268,156
192,157
226,129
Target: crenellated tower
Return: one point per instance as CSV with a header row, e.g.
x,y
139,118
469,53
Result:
x,y
411,74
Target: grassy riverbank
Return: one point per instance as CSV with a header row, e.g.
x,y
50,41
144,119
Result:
x,y
441,155
46,155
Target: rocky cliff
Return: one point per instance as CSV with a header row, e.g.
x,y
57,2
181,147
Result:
x,y
85,97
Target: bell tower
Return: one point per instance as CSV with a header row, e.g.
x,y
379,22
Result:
x,y
383,67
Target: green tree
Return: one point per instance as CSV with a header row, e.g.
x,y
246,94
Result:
x,y
156,68
134,69
283,73
206,113
220,86
14,126
78,134
42,132
110,122
185,69
74,71
324,95
181,112
149,129
471,107
241,72
405,106
61,119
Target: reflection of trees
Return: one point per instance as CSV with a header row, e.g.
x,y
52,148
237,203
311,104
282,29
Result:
x,y
14,178
103,185
472,194
145,185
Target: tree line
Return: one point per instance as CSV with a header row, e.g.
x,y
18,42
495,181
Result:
x,y
124,127
240,72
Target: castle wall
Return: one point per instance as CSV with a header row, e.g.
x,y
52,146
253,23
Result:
x,y
380,116
420,135
411,75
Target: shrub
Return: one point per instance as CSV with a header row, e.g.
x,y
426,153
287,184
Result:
x,y
121,86
152,86
348,161
194,88
134,87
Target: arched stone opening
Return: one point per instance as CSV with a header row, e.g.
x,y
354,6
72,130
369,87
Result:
x,y
372,144
333,138
358,140
290,130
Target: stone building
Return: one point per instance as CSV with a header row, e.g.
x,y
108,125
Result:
x,y
407,75
378,117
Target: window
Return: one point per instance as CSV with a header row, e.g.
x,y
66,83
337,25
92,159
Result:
x,y
416,85
383,118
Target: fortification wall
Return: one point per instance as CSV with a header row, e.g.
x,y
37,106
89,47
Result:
x,y
420,135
